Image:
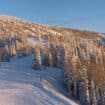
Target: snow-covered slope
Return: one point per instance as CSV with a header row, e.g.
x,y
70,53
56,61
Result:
x,y
21,85
33,41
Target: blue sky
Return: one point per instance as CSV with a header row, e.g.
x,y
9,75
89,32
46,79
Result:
x,y
82,14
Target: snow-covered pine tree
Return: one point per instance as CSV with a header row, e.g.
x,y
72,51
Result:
x,y
36,63
62,58
54,54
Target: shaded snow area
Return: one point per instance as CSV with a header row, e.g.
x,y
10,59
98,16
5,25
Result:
x,y
21,85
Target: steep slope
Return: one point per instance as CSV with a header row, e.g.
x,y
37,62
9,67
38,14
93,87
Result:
x,y
20,85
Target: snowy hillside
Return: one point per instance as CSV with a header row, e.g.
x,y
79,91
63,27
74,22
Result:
x,y
79,53
21,85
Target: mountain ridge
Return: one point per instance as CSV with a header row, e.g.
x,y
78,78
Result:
x,y
15,21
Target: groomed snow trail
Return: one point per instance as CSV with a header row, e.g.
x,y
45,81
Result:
x,y
21,85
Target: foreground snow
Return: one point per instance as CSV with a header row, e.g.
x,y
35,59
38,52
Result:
x,y
20,85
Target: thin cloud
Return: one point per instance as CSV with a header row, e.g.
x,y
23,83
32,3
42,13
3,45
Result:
x,y
75,20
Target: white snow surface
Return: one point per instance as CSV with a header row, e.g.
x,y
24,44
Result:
x,y
35,41
21,85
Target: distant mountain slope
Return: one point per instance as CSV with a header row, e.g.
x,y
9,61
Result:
x,y
12,25
15,34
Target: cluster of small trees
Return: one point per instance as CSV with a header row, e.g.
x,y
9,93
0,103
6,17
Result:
x,y
9,46
53,56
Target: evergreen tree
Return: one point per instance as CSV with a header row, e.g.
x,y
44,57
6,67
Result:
x,y
36,63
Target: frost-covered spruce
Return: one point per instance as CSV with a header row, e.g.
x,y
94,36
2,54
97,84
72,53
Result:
x,y
45,59
36,63
62,58
47,56
54,54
